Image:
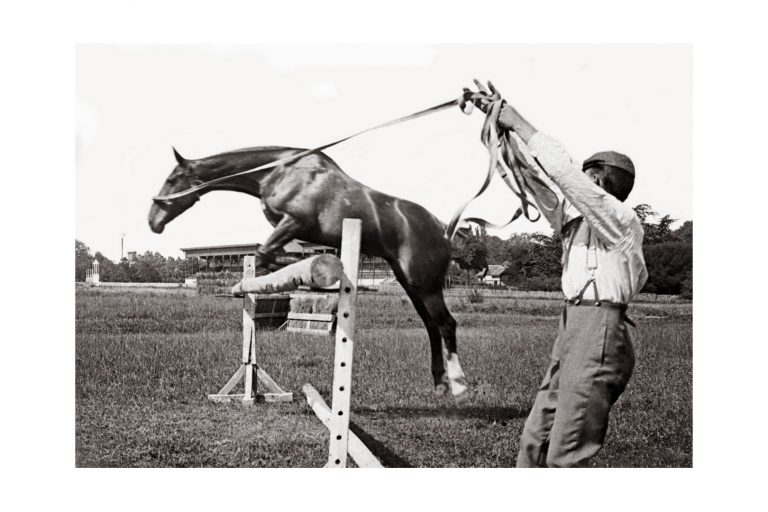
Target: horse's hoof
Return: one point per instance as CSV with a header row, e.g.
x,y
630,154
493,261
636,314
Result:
x,y
463,397
460,390
441,389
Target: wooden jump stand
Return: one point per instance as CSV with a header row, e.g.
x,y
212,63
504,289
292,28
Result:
x,y
316,272
249,368
336,418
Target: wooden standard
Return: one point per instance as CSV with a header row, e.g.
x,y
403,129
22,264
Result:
x,y
336,418
249,370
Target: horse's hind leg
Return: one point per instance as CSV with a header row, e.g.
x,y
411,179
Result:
x,y
435,341
433,330
435,304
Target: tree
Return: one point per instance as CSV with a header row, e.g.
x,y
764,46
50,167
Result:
x,y
83,260
660,232
543,265
669,266
471,255
517,251
685,232
496,249
108,271
668,254
644,211
145,272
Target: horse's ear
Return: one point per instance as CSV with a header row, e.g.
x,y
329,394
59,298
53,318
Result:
x,y
180,159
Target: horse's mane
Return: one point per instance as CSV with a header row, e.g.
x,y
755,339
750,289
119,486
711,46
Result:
x,y
269,152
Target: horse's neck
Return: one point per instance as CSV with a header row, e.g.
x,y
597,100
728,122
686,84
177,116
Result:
x,y
234,162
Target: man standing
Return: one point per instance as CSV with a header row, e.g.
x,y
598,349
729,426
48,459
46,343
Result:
x,y
603,269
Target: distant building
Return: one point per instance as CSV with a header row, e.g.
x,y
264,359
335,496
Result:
x,y
492,276
229,258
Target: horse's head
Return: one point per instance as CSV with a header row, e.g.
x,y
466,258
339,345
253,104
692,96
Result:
x,y
181,178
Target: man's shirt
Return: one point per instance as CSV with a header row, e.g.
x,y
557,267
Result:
x,y
609,225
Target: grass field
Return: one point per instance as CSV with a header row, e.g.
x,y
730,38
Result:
x,y
146,360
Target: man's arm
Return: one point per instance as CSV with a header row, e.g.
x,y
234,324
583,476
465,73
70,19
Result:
x,y
549,200
603,212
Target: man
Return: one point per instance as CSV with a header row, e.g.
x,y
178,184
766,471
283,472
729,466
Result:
x,y
603,269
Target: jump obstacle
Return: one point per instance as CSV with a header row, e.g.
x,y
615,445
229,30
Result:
x,y
249,368
319,271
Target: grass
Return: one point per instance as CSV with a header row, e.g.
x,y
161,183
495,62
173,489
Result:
x,y
145,362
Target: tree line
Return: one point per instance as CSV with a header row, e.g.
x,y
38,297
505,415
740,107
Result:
x,y
150,267
532,260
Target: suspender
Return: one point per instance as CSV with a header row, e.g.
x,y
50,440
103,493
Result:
x,y
572,226
591,267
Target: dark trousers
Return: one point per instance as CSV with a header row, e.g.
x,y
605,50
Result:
x,y
592,361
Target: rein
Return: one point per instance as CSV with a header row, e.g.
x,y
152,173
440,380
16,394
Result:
x,y
285,161
499,141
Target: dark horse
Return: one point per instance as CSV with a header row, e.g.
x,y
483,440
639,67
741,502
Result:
x,y
307,199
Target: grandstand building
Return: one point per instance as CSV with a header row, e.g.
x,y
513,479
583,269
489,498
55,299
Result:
x,y
229,258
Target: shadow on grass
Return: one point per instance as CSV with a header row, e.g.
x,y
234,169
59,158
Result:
x,y
472,412
388,458
391,459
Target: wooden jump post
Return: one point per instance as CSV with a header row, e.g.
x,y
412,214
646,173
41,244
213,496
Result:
x,y
320,271
336,418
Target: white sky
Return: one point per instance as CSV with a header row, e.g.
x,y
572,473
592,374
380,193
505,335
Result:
x,y
134,102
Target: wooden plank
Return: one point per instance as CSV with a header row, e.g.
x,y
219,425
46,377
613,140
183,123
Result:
x,y
233,381
225,398
267,380
357,449
249,388
256,316
248,328
314,317
260,397
313,332
345,334
276,397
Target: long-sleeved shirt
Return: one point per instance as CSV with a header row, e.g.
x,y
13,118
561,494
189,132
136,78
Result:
x,y
611,230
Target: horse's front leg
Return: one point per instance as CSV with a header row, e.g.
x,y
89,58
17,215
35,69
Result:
x,y
285,231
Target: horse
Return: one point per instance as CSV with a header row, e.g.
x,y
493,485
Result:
x,y
307,199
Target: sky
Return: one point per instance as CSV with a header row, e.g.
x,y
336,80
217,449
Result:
x,y
133,102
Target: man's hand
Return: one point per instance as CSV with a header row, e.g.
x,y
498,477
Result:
x,y
507,116
510,119
482,99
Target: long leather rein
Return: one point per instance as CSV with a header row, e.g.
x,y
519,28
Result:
x,y
496,139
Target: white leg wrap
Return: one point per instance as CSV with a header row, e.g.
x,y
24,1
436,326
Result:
x,y
456,377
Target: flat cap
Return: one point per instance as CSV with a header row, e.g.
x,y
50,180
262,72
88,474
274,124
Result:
x,y
611,158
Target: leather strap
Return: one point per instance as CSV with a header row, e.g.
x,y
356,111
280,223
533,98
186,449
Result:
x,y
285,161
505,158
